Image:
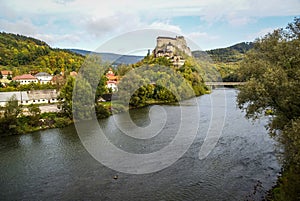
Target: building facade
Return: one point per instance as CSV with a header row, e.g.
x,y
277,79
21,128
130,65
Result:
x,y
26,79
44,78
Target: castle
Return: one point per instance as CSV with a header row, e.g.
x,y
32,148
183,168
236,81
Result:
x,y
170,43
168,47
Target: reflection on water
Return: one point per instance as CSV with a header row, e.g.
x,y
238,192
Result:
x,y
53,164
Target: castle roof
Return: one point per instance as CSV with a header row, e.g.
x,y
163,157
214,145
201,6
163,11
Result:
x,y
165,37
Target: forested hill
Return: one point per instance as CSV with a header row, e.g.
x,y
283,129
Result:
x,y
24,54
229,54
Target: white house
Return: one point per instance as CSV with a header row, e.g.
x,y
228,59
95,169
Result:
x,y
112,80
112,85
43,77
30,97
21,96
25,79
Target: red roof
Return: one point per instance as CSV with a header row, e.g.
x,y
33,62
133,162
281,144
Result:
x,y
25,77
6,72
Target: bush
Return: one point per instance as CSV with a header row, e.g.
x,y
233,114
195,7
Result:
x,y
60,122
101,111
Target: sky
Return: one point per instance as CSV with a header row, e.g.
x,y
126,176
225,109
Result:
x,y
86,24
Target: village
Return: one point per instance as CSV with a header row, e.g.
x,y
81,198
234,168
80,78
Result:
x,y
47,99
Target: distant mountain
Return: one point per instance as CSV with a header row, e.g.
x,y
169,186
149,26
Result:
x,y
229,54
111,57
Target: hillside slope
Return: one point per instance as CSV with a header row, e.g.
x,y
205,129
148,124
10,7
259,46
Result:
x,y
227,60
24,54
233,53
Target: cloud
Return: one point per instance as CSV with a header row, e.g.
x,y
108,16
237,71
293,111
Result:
x,y
23,26
210,10
202,36
64,2
69,20
114,24
201,40
261,33
165,26
57,38
239,21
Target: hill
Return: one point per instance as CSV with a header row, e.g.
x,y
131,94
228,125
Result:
x,y
226,60
23,54
111,57
229,54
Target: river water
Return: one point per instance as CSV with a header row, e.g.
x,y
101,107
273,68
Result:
x,y
54,164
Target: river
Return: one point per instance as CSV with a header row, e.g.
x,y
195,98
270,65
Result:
x,y
54,165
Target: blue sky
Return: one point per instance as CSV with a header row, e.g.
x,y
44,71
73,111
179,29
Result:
x,y
90,23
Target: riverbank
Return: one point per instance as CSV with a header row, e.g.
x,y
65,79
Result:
x,y
50,116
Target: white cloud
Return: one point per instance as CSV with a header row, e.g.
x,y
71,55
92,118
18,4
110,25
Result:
x,y
70,20
57,38
165,26
239,21
23,26
210,10
261,33
200,40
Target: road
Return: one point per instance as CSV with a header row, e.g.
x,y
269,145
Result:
x,y
49,108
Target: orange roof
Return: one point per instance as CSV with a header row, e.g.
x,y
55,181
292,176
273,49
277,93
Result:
x,y
73,73
112,77
6,72
25,77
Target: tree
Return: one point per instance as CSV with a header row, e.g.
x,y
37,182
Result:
x,y
9,77
83,99
65,97
272,72
34,114
11,111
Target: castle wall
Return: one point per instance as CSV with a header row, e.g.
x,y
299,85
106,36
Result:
x,y
178,42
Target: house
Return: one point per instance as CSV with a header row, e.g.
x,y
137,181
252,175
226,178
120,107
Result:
x,y
30,97
112,80
26,79
6,73
43,78
42,96
21,96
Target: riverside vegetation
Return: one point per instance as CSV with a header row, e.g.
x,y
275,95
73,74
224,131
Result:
x,y
272,72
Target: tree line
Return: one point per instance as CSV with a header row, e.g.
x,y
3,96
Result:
x,y
272,72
